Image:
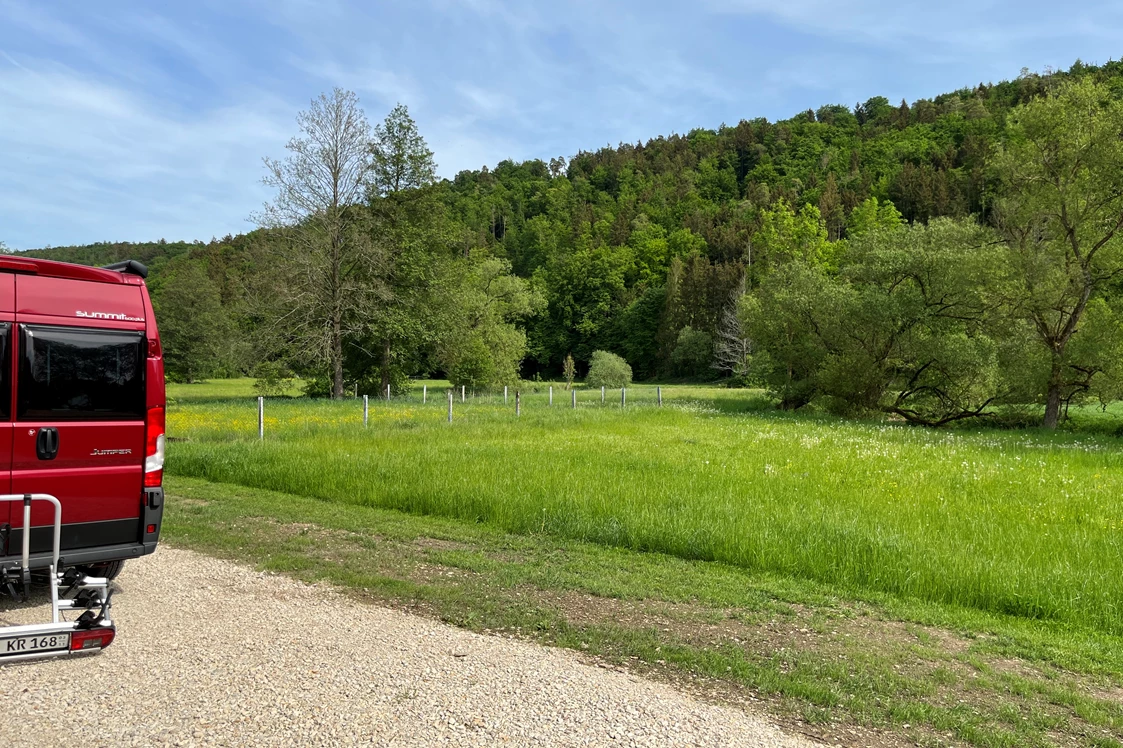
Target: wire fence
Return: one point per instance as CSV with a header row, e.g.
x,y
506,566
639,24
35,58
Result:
x,y
241,417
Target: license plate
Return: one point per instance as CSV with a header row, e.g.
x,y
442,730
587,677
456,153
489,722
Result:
x,y
21,645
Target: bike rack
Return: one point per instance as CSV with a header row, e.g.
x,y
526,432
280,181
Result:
x,y
92,631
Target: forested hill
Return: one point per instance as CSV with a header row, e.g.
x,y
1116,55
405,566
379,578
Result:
x,y
631,246
153,254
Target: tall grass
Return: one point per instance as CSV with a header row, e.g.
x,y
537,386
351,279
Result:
x,y
1017,522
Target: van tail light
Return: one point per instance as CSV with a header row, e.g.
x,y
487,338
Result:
x,y
91,639
154,449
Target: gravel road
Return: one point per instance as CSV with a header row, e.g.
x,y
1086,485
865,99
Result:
x,y
229,656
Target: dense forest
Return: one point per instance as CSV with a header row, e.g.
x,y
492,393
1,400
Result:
x,y
929,260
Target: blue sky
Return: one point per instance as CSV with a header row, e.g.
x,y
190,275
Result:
x,y
140,120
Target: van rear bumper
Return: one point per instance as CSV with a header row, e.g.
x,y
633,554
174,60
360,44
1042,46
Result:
x,y
92,542
83,556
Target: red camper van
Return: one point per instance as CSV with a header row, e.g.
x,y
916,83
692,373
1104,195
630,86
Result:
x,y
81,442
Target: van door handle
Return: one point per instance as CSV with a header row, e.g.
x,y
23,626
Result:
x,y
46,443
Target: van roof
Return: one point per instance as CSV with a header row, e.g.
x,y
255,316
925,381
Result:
x,y
53,269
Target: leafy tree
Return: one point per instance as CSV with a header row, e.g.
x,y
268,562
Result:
x,y
271,379
608,370
1096,354
585,291
402,159
319,253
781,316
1103,339
831,210
650,252
696,294
194,329
694,351
470,363
1061,212
636,331
481,346
876,110
685,243
409,229
912,336
872,214
787,235
902,327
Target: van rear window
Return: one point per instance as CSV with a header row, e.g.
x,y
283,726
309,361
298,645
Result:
x,y
80,374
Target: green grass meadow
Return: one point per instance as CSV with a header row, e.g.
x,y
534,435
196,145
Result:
x,y
1020,523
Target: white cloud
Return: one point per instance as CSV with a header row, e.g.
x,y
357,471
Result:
x,y
386,87
88,156
486,102
984,26
205,55
32,19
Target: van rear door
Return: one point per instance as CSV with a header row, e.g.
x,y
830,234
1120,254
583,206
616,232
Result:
x,y
78,432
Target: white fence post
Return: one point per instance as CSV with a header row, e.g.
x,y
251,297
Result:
x,y
602,395
366,410
450,406
261,418
574,393
461,393
424,394
659,395
387,393
623,397
551,394
504,394
518,404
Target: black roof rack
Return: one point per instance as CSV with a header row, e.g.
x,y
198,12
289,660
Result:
x,y
132,267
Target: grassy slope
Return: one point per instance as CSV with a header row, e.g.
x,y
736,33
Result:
x,y
1004,522
870,669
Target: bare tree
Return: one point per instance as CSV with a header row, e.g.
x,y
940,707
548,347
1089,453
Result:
x,y
732,347
318,211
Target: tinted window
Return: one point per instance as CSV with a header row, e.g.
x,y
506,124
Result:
x,y
76,374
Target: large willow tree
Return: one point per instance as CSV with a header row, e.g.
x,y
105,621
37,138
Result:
x,y
1061,213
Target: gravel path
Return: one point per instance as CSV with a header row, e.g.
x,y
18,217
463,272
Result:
x,y
234,657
